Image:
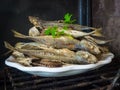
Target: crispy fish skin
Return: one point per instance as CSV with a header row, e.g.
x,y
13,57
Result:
x,y
30,46
24,60
47,63
74,27
75,59
42,23
38,46
34,32
66,52
18,54
42,54
77,34
86,56
88,46
61,42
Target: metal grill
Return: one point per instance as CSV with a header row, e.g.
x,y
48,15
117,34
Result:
x,y
100,79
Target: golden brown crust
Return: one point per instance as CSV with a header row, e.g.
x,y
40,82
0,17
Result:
x,y
47,63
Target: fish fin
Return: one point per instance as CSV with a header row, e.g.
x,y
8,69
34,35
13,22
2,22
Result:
x,y
17,34
7,45
98,33
98,41
107,41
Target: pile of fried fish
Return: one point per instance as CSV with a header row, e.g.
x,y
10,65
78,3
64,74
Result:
x,y
79,45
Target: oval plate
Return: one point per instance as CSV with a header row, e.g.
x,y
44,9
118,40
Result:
x,y
60,71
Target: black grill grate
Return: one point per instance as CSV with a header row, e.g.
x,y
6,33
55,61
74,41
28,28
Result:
x,y
99,79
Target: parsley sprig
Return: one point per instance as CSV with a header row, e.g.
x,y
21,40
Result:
x,y
68,18
54,30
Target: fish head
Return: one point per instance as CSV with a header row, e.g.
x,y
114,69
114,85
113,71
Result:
x,y
86,57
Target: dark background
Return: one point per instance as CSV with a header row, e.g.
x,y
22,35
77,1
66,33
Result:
x,y
14,15
106,14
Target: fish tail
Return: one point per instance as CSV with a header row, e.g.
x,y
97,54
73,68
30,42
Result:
x,y
110,40
17,34
107,41
7,45
6,53
97,32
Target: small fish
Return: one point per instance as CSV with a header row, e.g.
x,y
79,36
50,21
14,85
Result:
x,y
75,27
44,24
38,46
61,42
77,34
41,54
97,41
88,46
75,59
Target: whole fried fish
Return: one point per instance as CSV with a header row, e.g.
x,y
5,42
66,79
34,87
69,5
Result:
x,y
38,46
78,58
74,30
77,34
88,46
61,42
43,24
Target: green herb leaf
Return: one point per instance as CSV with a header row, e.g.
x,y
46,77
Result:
x,y
47,32
67,18
53,31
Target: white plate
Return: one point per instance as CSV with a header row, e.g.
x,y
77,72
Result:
x,y
59,71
